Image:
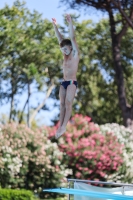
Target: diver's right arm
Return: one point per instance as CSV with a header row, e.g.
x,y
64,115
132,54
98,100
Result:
x,y
57,33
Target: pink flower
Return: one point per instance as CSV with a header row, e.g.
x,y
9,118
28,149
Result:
x,y
78,174
88,150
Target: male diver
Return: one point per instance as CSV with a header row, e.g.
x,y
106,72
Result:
x,y
68,86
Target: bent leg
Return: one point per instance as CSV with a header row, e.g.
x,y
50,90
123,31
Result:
x,y
70,94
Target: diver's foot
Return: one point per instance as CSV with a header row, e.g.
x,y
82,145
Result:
x,y
60,133
57,132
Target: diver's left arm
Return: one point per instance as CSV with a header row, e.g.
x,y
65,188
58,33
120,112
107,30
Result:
x,y
72,35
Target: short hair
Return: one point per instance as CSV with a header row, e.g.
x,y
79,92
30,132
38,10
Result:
x,y
65,42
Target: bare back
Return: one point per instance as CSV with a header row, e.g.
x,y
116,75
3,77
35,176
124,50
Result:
x,y
70,66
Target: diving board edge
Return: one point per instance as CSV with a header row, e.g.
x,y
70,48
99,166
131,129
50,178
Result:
x,y
89,193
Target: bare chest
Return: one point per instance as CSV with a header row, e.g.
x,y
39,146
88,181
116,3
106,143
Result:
x,y
69,63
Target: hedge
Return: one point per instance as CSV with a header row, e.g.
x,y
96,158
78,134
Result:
x,y
11,194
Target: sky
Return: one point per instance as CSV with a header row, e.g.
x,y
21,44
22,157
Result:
x,y
52,8
49,9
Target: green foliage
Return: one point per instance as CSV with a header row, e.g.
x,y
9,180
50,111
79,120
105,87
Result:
x,y
27,51
28,159
97,91
30,54
10,194
127,57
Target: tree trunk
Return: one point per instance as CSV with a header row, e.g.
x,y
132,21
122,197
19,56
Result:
x,y
11,107
28,105
12,93
22,112
127,110
42,104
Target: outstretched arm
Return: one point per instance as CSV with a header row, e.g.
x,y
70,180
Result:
x,y
57,33
72,35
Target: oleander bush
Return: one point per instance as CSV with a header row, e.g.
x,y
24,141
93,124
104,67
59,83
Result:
x,y
28,159
125,137
88,152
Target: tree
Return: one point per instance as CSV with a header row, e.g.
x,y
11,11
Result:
x,y
26,56
117,30
95,90
37,60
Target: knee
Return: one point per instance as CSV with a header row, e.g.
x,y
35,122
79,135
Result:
x,y
62,104
68,103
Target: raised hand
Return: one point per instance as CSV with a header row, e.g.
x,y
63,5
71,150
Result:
x,y
57,33
54,21
68,18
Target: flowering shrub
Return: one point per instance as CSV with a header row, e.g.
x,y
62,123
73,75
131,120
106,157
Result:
x,y
125,136
89,153
28,159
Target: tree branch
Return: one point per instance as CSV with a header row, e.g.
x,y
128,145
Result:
x,y
128,19
22,112
123,31
95,4
42,104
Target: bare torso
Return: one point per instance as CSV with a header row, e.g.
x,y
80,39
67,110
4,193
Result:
x,y
70,67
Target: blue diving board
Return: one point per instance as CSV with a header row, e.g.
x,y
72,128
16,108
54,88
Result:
x,y
89,193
